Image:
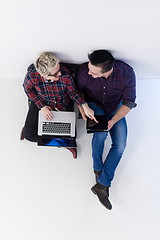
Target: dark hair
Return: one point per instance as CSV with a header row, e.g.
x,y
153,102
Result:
x,y
102,58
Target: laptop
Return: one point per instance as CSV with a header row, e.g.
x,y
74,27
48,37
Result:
x,y
101,126
58,132
62,124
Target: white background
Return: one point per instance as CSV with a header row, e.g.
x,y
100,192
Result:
x,y
45,193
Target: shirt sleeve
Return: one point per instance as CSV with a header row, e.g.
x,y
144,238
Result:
x,y
73,93
129,93
30,91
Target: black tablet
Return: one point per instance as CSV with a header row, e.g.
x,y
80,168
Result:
x,y
101,126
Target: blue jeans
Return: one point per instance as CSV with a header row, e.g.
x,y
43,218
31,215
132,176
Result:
x,y
118,135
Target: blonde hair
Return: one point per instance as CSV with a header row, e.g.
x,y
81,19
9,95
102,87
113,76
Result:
x,y
45,63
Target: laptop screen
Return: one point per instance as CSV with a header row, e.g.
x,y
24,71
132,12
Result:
x,y
57,141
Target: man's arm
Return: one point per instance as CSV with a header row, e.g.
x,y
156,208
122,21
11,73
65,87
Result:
x,y
128,99
122,112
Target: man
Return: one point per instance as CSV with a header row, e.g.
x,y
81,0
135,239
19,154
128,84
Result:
x,y
109,88
49,86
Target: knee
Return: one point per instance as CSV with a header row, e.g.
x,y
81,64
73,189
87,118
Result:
x,y
119,147
30,137
122,147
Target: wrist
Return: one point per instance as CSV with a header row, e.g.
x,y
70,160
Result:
x,y
113,120
79,106
84,105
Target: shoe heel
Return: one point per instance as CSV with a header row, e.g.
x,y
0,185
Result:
x,y
21,135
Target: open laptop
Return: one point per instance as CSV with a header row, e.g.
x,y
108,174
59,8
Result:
x,y
58,132
101,126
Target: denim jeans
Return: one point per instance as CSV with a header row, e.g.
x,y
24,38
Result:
x,y
118,135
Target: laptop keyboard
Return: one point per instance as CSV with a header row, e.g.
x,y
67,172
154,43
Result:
x,y
56,127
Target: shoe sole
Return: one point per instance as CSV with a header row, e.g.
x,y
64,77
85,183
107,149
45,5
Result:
x,y
93,190
21,135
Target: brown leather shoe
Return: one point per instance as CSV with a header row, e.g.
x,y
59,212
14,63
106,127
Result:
x,y
73,151
103,193
22,134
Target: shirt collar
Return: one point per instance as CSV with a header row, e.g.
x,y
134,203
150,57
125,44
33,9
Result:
x,y
109,78
48,81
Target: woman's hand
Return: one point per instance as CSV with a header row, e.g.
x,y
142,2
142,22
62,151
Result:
x,y
89,112
46,110
82,112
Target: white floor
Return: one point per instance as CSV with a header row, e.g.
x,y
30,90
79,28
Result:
x,y
45,193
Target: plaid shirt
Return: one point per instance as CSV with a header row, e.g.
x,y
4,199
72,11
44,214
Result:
x,y
57,94
108,93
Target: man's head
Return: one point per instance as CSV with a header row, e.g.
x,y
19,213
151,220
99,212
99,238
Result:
x,y
100,63
47,65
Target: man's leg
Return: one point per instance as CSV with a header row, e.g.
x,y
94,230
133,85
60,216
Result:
x,y
102,191
98,141
118,135
30,131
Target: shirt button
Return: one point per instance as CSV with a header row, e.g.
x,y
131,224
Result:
x,y
104,87
104,93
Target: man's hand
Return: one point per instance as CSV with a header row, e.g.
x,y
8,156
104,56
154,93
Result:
x,y
122,112
46,110
89,112
110,124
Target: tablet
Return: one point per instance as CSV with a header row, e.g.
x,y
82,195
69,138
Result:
x,y
101,126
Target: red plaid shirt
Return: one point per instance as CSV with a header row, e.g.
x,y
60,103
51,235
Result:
x,y
57,94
